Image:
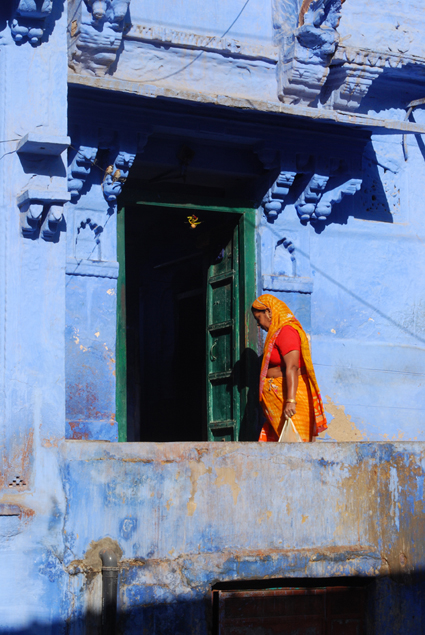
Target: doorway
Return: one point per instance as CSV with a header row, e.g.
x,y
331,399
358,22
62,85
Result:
x,y
185,295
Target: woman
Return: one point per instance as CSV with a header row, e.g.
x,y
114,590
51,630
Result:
x,y
288,386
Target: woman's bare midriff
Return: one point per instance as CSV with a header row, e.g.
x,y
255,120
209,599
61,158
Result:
x,y
280,371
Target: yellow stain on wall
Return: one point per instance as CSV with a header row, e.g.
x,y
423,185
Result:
x,y
341,428
197,469
227,476
303,519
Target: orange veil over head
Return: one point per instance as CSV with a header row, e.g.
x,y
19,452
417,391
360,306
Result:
x,y
283,316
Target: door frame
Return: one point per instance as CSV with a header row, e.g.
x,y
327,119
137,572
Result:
x,y
248,330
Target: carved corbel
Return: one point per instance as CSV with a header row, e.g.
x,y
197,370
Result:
x,y
113,11
79,169
274,201
96,34
116,175
335,195
351,75
307,50
310,196
28,21
41,209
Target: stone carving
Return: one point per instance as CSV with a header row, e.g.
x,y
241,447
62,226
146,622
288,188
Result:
x,y
116,175
335,195
50,226
28,20
309,198
351,76
80,169
41,209
306,50
96,35
113,11
274,201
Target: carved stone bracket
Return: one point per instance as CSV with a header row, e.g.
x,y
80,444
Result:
x,y
322,193
96,34
320,184
41,212
310,196
351,75
28,21
116,175
80,169
274,201
307,49
113,11
335,195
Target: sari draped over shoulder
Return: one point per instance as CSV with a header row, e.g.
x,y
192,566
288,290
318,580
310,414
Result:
x,y
310,412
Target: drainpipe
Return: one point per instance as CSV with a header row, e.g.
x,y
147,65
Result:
x,y
109,591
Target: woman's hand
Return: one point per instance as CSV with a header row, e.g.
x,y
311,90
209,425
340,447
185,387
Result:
x,y
289,410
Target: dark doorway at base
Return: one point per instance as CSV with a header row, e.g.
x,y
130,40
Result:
x,y
166,269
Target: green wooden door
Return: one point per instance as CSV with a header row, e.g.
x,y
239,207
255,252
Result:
x,y
223,342
231,358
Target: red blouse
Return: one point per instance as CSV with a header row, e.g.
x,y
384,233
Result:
x,y
287,340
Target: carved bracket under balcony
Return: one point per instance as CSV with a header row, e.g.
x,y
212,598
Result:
x,y
28,22
274,201
41,212
316,184
308,41
79,169
116,175
96,33
322,193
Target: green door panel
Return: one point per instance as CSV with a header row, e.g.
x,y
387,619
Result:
x,y
223,342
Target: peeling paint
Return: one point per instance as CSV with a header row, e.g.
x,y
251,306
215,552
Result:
x,y
197,469
227,476
341,428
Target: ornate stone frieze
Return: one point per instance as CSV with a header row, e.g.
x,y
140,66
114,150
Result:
x,y
96,33
308,42
353,71
116,175
80,169
41,212
29,20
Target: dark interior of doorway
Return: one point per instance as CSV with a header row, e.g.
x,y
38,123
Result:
x,y
167,260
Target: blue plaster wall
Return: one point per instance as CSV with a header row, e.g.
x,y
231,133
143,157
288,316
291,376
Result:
x,y
187,516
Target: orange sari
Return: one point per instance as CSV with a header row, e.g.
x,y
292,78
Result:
x,y
310,417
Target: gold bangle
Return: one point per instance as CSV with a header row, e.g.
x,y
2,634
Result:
x,y
291,401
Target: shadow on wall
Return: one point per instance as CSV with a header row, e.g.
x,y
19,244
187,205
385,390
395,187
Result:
x,y
245,375
371,203
392,607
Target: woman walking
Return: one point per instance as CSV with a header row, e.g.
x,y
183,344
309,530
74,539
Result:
x,y
288,385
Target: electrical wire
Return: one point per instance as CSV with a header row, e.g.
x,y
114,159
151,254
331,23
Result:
x,y
159,79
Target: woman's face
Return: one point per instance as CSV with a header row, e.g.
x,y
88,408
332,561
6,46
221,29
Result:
x,y
263,318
